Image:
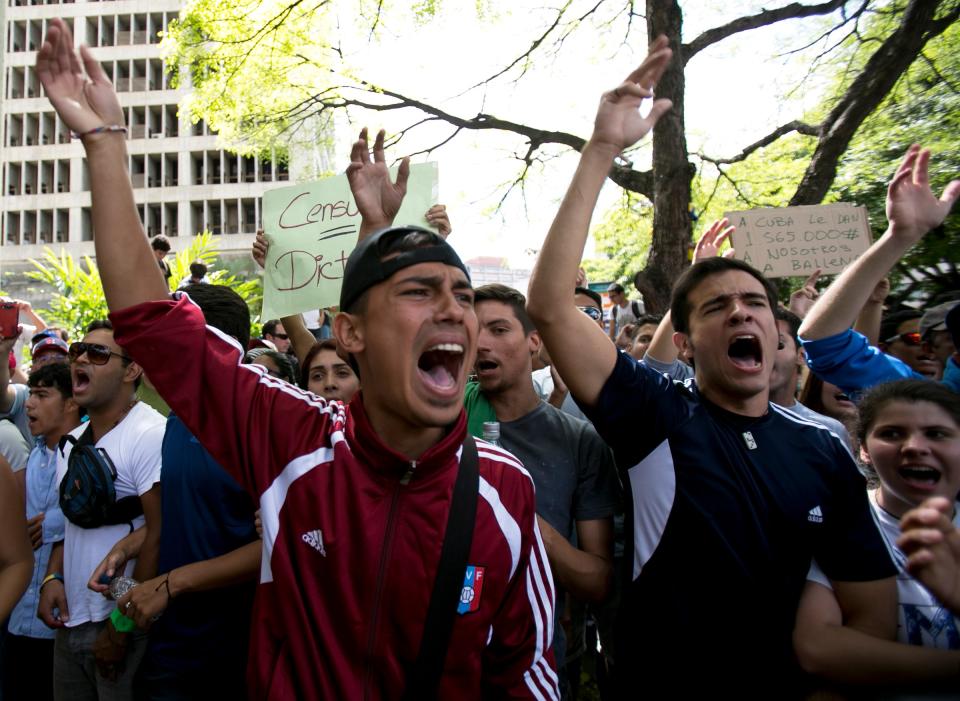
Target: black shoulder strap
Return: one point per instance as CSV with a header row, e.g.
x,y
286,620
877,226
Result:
x,y
424,678
636,308
85,438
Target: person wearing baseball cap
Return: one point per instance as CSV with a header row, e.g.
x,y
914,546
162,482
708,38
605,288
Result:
x,y
48,348
355,500
933,330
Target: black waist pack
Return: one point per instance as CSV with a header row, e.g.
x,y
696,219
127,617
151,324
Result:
x,y
88,496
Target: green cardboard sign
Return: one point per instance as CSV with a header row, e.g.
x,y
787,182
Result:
x,y
313,227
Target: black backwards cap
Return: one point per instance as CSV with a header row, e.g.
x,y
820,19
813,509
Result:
x,y
365,267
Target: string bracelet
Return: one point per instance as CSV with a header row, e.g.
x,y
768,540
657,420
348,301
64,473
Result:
x,y
119,128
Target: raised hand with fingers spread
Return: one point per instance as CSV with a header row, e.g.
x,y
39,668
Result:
x,y
709,244
377,198
912,208
82,95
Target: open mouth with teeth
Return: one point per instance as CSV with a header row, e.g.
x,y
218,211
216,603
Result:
x,y
745,352
439,366
920,476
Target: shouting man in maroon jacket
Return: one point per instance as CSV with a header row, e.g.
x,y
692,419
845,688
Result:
x,y
354,499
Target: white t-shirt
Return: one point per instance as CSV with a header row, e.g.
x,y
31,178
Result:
x,y
134,447
922,620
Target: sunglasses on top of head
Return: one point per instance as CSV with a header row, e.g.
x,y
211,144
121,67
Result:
x,y
97,353
911,339
592,312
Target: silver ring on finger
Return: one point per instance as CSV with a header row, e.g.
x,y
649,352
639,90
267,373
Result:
x,y
127,607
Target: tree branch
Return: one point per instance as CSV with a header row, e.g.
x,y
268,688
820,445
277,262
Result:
x,y
795,125
761,19
883,69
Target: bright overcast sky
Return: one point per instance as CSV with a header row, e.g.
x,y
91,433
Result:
x,y
734,96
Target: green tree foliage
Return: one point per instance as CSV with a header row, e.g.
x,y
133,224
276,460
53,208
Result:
x,y
623,241
923,107
252,65
78,293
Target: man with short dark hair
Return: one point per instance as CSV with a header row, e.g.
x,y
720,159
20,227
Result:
x,y
160,246
274,332
730,497
623,311
354,500
104,379
28,649
577,494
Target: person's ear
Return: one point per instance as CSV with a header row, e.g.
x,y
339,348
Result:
x,y
349,332
132,372
683,344
533,342
70,405
864,455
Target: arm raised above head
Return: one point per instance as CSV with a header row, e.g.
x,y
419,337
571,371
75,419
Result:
x,y
912,210
85,100
570,335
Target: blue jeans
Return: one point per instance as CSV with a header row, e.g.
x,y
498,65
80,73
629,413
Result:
x,y
75,675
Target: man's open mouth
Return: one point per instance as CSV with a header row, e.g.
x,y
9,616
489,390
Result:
x,y
81,380
843,397
921,476
745,352
486,365
440,365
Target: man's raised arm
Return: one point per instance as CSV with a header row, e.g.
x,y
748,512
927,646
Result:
x,y
570,335
912,210
85,100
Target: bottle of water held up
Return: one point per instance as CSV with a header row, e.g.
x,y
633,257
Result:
x,y
491,432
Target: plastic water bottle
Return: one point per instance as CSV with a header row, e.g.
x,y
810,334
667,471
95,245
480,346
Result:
x,y
120,586
491,432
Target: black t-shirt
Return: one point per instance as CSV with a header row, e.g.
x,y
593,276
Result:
x,y
726,512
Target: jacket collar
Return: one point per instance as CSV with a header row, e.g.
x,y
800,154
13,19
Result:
x,y
367,445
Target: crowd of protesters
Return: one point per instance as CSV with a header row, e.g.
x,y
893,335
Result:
x,y
441,491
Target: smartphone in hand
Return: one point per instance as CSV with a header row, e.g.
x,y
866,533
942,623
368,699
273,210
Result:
x,y
9,319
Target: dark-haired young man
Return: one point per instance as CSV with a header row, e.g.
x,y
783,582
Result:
x,y
577,491
104,379
28,649
730,497
198,604
160,245
354,500
274,332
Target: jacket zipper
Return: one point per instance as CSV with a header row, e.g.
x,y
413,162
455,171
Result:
x,y
387,543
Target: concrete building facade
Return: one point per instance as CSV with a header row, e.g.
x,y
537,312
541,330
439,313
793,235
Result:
x,y
183,182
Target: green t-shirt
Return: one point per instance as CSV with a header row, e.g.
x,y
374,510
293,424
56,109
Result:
x,y
478,409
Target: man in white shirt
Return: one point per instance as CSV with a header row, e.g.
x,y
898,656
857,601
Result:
x,y
131,433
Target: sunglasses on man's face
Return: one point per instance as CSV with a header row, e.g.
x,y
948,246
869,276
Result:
x,y
592,312
97,353
911,339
